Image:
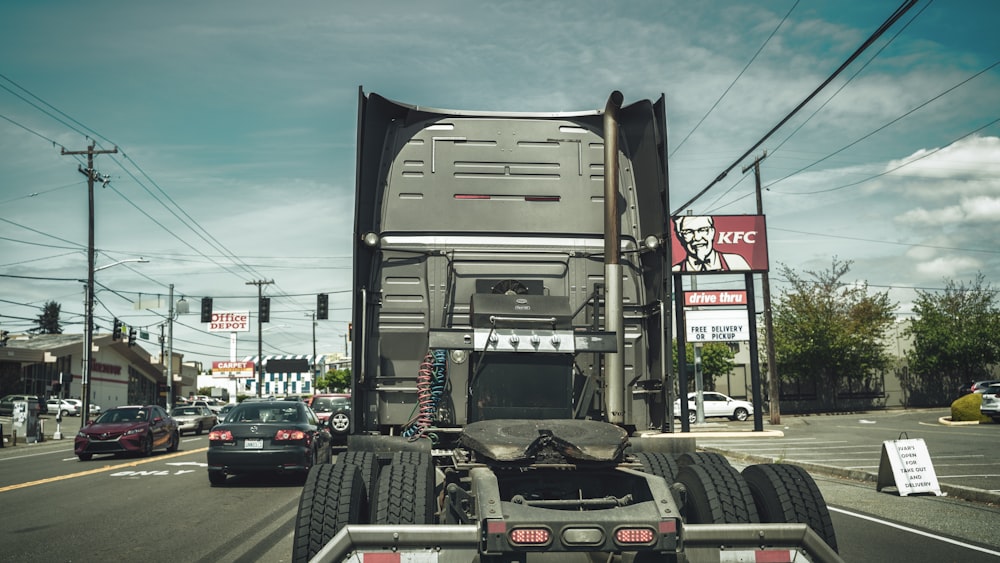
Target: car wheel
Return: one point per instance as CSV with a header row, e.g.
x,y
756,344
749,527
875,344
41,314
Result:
x,y
64,413
198,430
216,478
692,416
85,457
175,441
340,422
147,445
740,414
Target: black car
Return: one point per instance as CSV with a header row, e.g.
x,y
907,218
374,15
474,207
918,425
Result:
x,y
267,436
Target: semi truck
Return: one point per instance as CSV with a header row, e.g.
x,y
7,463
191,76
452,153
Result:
x,y
510,348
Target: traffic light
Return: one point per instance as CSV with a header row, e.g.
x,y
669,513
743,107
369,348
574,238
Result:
x,y
4,337
322,306
131,337
350,331
206,309
116,332
264,308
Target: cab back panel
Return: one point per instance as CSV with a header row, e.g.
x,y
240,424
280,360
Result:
x,y
468,204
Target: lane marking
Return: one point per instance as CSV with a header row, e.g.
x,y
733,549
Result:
x,y
914,531
98,470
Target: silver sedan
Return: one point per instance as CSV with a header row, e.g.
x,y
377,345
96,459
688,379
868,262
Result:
x,y
194,419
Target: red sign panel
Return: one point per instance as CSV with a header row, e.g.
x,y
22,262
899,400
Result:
x,y
713,244
232,366
710,298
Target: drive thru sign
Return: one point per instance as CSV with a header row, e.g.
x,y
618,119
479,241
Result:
x,y
717,326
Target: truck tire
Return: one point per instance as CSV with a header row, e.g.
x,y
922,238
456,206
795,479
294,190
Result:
x,y
787,494
702,458
367,464
716,494
660,464
332,497
405,491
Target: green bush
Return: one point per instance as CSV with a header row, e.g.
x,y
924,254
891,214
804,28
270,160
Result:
x,y
966,408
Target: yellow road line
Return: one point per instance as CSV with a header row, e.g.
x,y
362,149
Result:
x,y
99,470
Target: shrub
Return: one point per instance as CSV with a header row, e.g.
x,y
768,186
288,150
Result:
x,y
966,408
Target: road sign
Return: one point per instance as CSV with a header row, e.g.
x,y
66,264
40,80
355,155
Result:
x,y
717,325
906,464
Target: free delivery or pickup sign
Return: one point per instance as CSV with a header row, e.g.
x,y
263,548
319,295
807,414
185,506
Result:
x,y
717,326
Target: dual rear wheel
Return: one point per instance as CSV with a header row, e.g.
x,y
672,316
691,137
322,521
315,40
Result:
x,y
356,491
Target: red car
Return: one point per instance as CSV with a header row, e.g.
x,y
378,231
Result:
x,y
133,429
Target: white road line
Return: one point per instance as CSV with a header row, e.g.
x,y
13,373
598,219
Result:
x,y
915,531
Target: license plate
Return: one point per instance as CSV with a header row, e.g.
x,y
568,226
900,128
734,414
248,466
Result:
x,y
253,444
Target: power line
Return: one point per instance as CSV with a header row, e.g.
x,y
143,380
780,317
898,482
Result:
x,y
902,9
735,80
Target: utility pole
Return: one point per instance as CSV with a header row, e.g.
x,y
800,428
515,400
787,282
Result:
x,y
88,338
260,335
773,388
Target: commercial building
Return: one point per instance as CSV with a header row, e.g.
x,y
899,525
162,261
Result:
x,y
52,364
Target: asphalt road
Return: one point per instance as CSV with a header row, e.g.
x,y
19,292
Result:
x,y
56,508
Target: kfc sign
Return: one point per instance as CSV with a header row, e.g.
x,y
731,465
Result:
x,y
230,322
719,243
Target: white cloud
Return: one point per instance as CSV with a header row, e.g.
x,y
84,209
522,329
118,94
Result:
x,y
948,266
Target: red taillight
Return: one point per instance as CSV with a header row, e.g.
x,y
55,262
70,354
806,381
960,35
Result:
x,y
530,536
289,435
634,536
220,436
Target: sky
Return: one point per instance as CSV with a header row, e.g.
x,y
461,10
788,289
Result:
x,y
235,125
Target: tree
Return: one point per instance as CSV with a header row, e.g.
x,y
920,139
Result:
x,y
829,333
956,338
48,320
716,361
336,379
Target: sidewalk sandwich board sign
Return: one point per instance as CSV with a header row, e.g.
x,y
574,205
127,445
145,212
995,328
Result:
x,y
906,464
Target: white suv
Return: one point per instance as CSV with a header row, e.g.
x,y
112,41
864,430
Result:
x,y
991,402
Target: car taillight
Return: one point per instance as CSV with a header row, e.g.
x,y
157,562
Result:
x,y
289,435
530,536
220,436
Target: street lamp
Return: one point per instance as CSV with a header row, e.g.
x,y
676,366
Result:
x,y
88,339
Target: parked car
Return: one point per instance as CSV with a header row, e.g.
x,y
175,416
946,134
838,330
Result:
x,y
991,402
63,407
267,436
194,419
7,404
94,409
334,408
136,429
976,386
716,404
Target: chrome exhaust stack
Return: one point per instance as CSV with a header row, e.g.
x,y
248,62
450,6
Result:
x,y
613,309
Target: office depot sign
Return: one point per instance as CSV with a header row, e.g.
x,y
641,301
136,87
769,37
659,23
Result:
x,y
230,322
